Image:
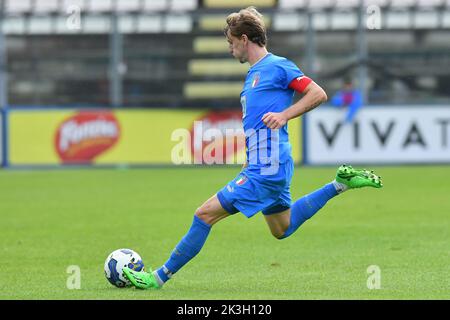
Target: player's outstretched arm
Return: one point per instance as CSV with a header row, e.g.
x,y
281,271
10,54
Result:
x,y
314,95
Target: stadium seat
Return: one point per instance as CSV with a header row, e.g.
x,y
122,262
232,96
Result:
x,y
40,25
347,3
17,7
96,24
238,3
178,23
218,89
14,25
100,6
321,21
128,6
183,5
321,4
292,4
61,26
155,5
172,5
380,3
402,3
398,20
446,19
149,24
345,20
210,45
430,3
289,21
46,6
68,4
214,22
318,4
127,23
216,67
426,19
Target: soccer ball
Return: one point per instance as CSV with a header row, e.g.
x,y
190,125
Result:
x,y
115,263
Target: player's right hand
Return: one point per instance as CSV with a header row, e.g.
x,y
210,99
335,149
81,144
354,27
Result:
x,y
274,120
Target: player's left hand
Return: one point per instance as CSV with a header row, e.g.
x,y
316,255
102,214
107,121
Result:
x,y
274,120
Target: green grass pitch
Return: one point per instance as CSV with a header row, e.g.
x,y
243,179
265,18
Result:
x,y
51,220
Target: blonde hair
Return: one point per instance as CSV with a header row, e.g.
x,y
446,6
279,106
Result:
x,y
247,21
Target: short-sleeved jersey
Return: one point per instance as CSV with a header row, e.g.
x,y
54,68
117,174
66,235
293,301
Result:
x,y
266,89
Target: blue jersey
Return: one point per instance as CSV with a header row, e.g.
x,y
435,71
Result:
x,y
266,89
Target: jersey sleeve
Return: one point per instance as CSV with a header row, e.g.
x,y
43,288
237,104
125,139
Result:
x,y
286,72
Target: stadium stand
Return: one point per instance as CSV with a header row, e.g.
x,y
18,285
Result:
x,y
175,54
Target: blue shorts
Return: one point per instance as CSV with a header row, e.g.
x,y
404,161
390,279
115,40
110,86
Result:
x,y
251,192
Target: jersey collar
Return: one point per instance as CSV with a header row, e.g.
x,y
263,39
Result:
x,y
261,59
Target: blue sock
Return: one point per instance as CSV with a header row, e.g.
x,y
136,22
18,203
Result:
x,y
305,207
185,250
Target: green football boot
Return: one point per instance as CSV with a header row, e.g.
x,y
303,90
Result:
x,y
141,279
357,178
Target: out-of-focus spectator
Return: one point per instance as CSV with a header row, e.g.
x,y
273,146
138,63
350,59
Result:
x,y
350,98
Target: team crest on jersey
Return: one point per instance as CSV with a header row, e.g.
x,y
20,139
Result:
x,y
255,80
241,180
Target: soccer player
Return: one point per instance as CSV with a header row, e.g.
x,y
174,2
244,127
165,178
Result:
x,y
264,182
350,98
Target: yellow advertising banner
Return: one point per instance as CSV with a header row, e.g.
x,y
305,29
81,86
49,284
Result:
x,y
132,136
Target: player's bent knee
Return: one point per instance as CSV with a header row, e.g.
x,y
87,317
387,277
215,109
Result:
x,y
200,213
203,215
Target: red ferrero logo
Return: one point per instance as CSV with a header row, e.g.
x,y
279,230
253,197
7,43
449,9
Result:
x,y
86,135
216,137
